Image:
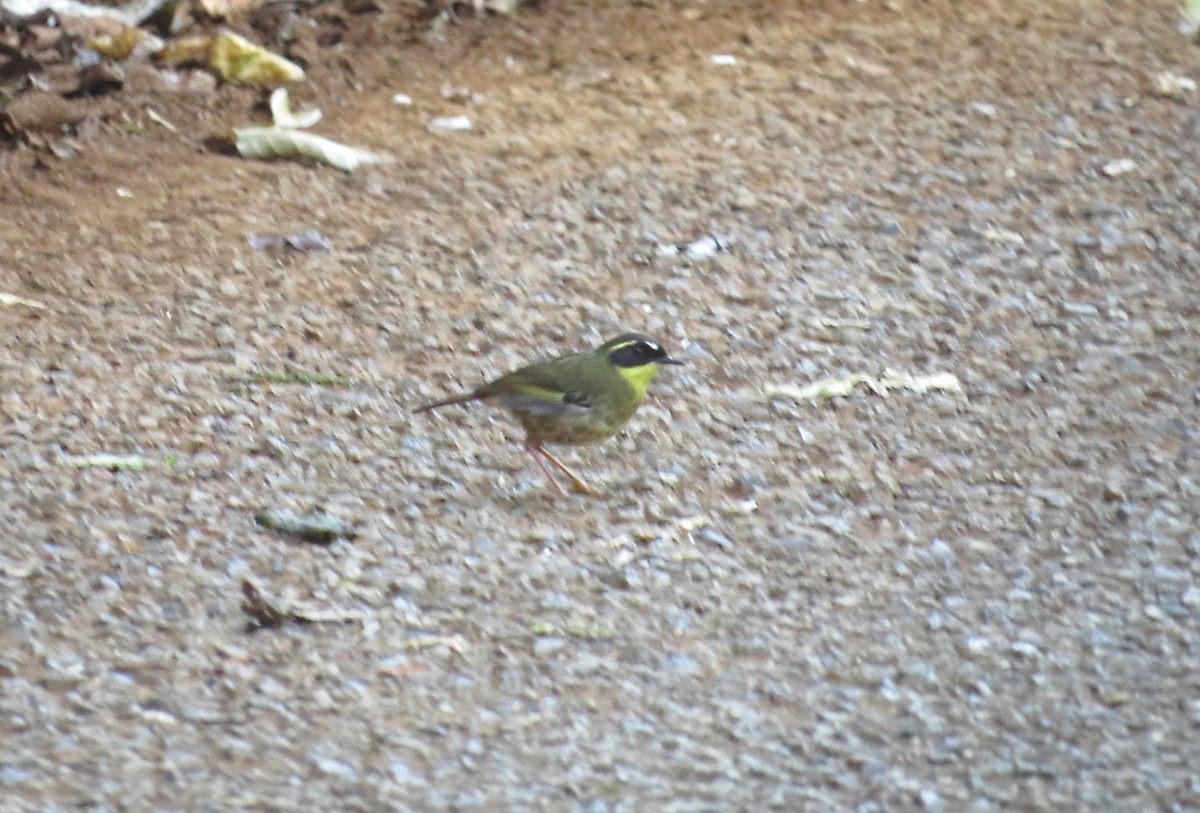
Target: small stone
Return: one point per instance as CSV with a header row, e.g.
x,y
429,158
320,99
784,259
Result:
x,y
1121,166
1025,648
1114,697
1113,493
403,775
1066,126
335,768
977,643
744,200
450,124
200,83
544,647
96,80
713,537
704,247
682,665
617,577
1169,85
40,112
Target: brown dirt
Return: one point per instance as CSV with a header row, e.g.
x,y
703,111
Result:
x,y
961,602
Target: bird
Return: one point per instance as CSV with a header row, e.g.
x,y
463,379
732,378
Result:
x,y
573,399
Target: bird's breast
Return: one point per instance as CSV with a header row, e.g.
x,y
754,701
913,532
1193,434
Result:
x,y
601,418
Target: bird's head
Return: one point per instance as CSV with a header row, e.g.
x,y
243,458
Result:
x,y
637,358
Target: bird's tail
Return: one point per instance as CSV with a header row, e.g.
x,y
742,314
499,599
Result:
x,y
457,399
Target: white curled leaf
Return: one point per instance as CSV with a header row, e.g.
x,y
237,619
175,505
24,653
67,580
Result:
x,y
278,142
282,115
286,138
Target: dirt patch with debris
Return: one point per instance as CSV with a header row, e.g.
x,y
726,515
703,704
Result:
x,y
874,594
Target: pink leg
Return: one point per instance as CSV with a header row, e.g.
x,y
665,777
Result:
x,y
536,451
578,482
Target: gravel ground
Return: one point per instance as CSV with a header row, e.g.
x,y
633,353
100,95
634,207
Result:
x,y
977,600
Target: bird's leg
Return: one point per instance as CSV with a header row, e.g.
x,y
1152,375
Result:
x,y
537,452
580,485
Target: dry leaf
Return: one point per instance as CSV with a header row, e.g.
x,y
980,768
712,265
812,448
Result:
x,y
187,49
130,43
237,59
841,387
224,9
9,299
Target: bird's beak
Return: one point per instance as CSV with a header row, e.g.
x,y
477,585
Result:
x,y
669,360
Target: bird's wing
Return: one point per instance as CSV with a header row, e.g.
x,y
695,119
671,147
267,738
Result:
x,y
536,391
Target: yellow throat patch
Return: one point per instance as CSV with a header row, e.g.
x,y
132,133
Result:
x,y
639,377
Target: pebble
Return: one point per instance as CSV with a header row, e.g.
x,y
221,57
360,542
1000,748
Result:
x,y
450,124
547,646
